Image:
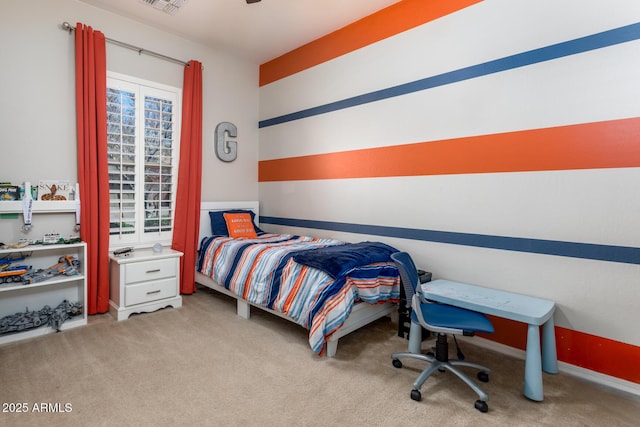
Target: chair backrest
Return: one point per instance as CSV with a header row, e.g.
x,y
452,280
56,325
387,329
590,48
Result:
x,y
408,274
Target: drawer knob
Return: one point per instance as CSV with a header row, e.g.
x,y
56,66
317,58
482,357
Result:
x,y
153,271
153,292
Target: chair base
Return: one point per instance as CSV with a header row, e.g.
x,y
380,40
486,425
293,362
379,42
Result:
x,y
446,365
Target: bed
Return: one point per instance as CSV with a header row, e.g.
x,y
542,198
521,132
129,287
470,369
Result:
x,y
298,277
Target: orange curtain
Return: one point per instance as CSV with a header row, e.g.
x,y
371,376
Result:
x,y
91,106
187,213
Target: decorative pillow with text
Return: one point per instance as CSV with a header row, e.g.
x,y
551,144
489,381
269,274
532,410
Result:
x,y
240,225
219,224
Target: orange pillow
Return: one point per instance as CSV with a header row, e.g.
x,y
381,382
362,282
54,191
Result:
x,y
240,225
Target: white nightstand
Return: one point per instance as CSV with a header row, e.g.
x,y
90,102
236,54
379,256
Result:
x,y
144,281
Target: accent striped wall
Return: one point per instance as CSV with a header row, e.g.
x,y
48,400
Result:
x,y
496,141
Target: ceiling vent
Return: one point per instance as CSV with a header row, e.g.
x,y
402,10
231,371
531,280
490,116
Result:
x,y
167,6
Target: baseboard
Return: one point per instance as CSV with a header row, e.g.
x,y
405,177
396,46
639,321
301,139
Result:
x,y
607,381
615,384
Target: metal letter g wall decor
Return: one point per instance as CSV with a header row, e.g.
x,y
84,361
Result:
x,y
227,151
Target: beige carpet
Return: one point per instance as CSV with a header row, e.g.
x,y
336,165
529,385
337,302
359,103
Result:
x,y
202,365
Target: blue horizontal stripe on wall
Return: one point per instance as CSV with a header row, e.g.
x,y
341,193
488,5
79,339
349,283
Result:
x,y
622,254
555,51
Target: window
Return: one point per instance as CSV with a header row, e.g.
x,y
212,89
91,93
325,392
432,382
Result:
x,y
143,124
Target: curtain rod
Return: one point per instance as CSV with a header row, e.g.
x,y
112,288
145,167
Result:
x,y
68,27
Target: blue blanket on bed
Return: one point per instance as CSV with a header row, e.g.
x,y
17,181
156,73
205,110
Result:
x,y
336,261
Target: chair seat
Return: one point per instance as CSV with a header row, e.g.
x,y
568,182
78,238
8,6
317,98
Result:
x,y
448,316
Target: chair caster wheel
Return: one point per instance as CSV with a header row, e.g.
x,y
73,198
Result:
x,y
396,363
483,376
416,395
481,406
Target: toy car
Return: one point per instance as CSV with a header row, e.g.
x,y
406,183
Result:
x,y
13,273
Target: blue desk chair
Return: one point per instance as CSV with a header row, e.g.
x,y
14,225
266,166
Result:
x,y
440,319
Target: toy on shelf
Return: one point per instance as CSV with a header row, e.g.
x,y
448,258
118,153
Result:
x,y
67,265
27,320
13,274
16,245
55,239
62,312
46,316
51,238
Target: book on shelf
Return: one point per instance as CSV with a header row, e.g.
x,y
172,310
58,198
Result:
x,y
56,190
9,191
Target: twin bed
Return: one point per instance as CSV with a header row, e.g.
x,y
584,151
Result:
x,y
327,286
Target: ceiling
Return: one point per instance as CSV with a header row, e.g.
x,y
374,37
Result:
x,y
259,31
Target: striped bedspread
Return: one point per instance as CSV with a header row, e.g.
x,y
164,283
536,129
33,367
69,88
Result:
x,y
263,272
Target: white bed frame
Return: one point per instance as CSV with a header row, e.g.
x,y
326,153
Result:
x,y
361,314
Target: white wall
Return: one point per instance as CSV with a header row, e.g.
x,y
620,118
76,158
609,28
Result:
x,y
37,82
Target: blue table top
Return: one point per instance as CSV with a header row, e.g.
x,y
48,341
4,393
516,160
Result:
x,y
522,308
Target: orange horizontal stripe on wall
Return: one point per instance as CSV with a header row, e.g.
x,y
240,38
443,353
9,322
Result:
x,y
598,354
387,22
591,352
610,144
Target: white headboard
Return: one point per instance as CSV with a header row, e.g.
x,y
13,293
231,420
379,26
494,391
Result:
x,y
205,207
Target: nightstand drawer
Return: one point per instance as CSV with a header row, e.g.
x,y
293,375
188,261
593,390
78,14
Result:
x,y
145,292
150,270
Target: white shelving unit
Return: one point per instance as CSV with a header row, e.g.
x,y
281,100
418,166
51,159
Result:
x,y
16,297
39,206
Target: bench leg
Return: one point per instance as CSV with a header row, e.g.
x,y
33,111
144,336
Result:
x,y
549,355
533,365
